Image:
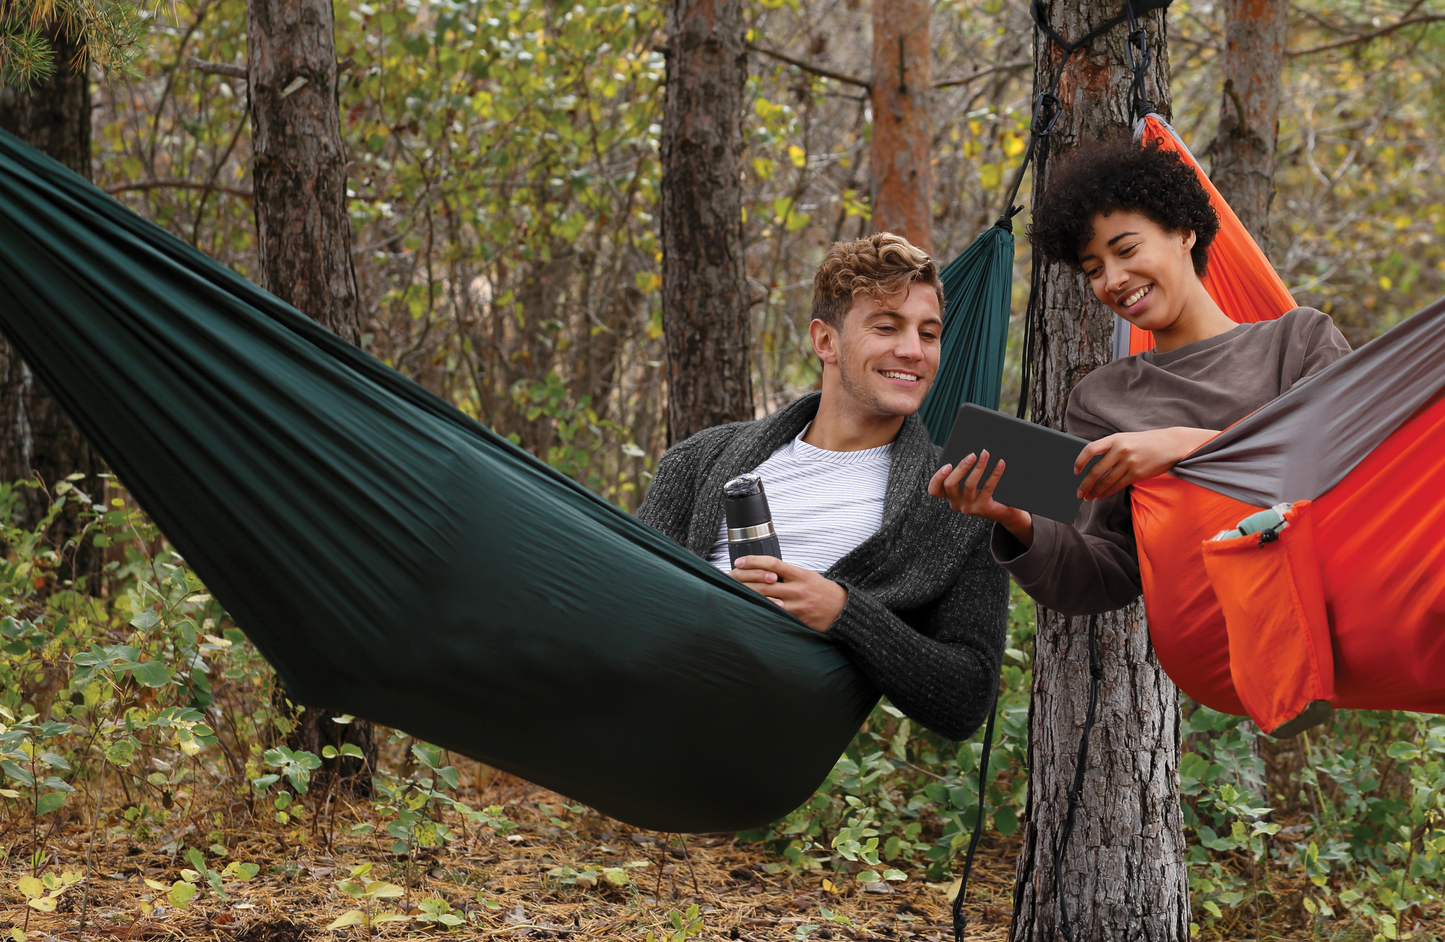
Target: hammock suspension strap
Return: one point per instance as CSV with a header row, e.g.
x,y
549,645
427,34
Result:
x,y
1047,108
960,920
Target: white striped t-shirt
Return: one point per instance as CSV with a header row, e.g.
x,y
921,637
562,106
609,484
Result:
x,y
824,503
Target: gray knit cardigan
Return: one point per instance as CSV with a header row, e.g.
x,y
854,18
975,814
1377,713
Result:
x,y
927,609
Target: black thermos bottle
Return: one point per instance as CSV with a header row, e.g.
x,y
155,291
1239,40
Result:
x,y
750,522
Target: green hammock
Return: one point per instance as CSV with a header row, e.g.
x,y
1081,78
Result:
x,y
397,560
977,286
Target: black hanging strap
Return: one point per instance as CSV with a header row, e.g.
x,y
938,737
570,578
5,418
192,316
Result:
x,y
1096,672
960,921
1046,113
1139,55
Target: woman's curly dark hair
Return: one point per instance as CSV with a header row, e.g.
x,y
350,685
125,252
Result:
x,y
1118,174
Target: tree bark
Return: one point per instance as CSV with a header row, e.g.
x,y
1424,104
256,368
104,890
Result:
x,y
1124,875
899,155
304,234
1244,149
704,286
36,436
299,168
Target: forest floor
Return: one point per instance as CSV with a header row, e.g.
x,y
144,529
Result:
x,y
501,885
510,887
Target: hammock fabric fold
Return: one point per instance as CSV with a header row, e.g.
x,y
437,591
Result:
x,y
1347,604
395,559
977,288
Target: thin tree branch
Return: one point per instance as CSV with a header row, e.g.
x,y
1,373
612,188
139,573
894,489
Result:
x,y
809,67
1366,37
1001,67
115,188
216,68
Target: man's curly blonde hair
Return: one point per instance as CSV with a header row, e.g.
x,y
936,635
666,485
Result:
x,y
882,266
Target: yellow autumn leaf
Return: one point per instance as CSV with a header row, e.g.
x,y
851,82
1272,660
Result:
x,y
352,917
157,885
389,917
1013,145
797,156
45,904
31,887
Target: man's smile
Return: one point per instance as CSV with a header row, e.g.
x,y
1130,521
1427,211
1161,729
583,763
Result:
x,y
902,376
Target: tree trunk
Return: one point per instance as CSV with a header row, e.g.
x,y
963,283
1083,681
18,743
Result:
x,y
1124,875
1243,150
36,436
299,168
704,287
902,81
304,232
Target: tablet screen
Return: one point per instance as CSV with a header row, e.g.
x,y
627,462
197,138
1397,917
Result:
x,y
1039,476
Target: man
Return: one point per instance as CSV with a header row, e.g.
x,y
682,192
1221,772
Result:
x,y
905,586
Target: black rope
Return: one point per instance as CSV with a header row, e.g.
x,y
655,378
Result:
x,y
960,921
1096,673
1046,111
1139,56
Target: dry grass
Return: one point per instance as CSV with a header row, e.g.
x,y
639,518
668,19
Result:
x,y
295,896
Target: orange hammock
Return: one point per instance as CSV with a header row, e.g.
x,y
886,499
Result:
x,y
1345,603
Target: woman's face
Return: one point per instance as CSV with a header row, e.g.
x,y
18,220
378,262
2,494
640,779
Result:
x,y
1139,269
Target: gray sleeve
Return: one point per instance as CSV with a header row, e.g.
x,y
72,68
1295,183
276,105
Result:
x,y
944,672
1317,343
668,504
1084,569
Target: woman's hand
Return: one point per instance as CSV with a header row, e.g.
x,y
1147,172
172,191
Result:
x,y
1133,456
966,494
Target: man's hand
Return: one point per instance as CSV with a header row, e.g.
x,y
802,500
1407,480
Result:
x,y
1133,456
968,495
816,601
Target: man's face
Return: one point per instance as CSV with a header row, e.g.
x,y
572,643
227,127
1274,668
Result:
x,y
886,352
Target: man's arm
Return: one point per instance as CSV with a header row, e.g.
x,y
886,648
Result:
x,y
668,505
944,676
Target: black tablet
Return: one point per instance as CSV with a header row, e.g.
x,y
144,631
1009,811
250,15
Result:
x,y
1039,476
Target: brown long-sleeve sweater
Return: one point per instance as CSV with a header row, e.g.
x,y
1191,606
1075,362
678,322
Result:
x,y
1093,565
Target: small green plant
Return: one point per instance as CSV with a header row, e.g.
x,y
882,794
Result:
x,y
43,894
680,927
370,893
438,914
593,874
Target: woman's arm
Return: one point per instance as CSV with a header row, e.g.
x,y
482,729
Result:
x,y
1089,567
1127,457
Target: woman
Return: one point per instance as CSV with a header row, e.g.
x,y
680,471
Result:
x,y
1139,224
